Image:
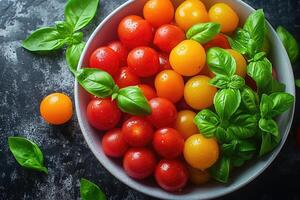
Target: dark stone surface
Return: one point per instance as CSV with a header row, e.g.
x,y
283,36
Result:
x,y
26,78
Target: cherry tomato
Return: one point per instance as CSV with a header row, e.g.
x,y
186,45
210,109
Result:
x,y
188,58
113,143
139,163
121,50
168,143
224,15
134,31
98,110
198,177
104,58
163,113
56,108
274,73
143,61
171,175
219,40
200,152
167,37
158,12
241,63
137,131
166,80
125,77
185,123
164,61
189,13
251,83
148,91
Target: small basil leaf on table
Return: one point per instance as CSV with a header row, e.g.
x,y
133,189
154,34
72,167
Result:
x,y
289,42
96,82
243,126
131,100
269,126
250,100
268,143
73,54
79,13
77,37
266,106
203,32
27,153
207,122
236,82
44,40
282,101
220,171
298,82
90,191
64,28
220,81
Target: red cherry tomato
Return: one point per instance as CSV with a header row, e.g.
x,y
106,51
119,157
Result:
x,y
143,61
113,143
139,163
163,114
219,40
164,61
148,91
125,77
250,82
168,36
134,31
168,143
137,132
171,175
121,50
97,114
105,59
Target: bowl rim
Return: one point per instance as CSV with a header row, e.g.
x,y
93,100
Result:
x,y
147,191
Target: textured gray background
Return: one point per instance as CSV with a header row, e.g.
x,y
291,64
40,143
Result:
x,y
26,78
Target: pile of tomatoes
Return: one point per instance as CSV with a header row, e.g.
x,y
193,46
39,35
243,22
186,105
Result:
x,y
154,54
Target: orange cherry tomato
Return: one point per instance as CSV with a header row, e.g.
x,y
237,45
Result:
x,y
185,123
148,91
219,40
241,63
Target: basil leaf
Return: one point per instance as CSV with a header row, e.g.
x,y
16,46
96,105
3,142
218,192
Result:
x,y
237,45
247,146
243,126
77,37
250,100
269,126
90,191
298,82
289,42
96,82
203,32
73,54
237,161
226,102
281,102
27,153
277,86
79,13
221,62
64,28
266,106
220,170
269,142
44,40
220,81
207,122
230,149
131,100
223,136
236,82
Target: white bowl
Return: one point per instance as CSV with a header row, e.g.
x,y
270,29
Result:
x,y
107,31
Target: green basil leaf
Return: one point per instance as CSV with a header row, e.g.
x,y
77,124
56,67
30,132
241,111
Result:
x,y
27,153
73,54
131,100
282,101
207,122
221,62
277,86
269,126
90,191
236,82
79,13
266,106
223,136
250,100
44,40
229,149
268,143
96,82
247,146
220,171
237,45
243,126
237,161
259,56
226,102
64,28
289,42
298,82
220,81
203,32
77,38
266,45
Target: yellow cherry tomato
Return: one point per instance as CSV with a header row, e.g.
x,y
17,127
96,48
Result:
x,y
241,64
198,177
223,14
56,108
185,123
188,58
200,152
189,13
198,93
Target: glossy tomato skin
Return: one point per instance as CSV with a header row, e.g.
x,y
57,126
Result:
x,y
125,77
143,61
219,40
121,50
148,91
163,114
167,37
139,163
113,143
185,123
104,58
164,61
168,143
134,31
171,175
98,111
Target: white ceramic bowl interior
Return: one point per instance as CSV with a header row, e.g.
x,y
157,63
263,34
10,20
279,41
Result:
x,y
107,31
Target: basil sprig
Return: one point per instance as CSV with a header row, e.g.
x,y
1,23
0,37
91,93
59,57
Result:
x,y
27,153
203,32
90,191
